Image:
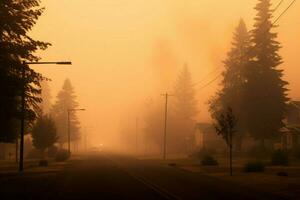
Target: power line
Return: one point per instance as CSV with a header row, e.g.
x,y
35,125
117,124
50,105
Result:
x,y
290,5
206,76
216,68
210,82
278,5
277,19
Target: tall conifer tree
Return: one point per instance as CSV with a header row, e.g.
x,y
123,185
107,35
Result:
x,y
185,104
234,80
66,99
266,91
183,111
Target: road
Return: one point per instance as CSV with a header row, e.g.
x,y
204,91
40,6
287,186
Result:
x,y
111,176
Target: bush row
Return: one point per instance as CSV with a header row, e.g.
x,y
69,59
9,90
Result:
x,y
57,154
278,158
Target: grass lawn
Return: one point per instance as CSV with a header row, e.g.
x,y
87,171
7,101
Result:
x,y
267,181
33,183
10,168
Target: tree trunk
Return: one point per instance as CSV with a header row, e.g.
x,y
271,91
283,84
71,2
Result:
x,y
230,153
263,145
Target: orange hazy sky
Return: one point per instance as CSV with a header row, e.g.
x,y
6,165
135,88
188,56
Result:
x,y
123,49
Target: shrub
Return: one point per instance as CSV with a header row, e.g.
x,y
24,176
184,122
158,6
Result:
x,y
34,154
43,163
172,164
282,174
280,157
256,166
209,160
204,152
52,151
62,155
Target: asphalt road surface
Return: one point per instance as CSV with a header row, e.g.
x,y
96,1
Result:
x,y
111,176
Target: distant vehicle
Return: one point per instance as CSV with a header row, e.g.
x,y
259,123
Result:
x,y
97,148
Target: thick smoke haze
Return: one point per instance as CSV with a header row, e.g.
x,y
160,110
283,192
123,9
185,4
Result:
x,y
125,52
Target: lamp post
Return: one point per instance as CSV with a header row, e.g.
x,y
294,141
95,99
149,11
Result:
x,y
69,127
23,101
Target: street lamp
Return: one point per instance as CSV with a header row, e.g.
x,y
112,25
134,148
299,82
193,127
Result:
x,y
69,128
21,162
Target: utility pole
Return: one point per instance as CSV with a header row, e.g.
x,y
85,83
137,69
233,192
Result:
x,y
136,135
165,129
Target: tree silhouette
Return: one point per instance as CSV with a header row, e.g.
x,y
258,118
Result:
x,y
66,99
265,88
183,112
225,126
44,133
46,103
234,80
17,19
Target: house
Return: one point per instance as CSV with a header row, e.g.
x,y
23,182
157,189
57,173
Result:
x,y
8,150
291,133
207,138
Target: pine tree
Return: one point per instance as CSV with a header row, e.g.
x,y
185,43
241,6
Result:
x,y
44,133
17,19
234,80
183,112
66,99
185,104
266,91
